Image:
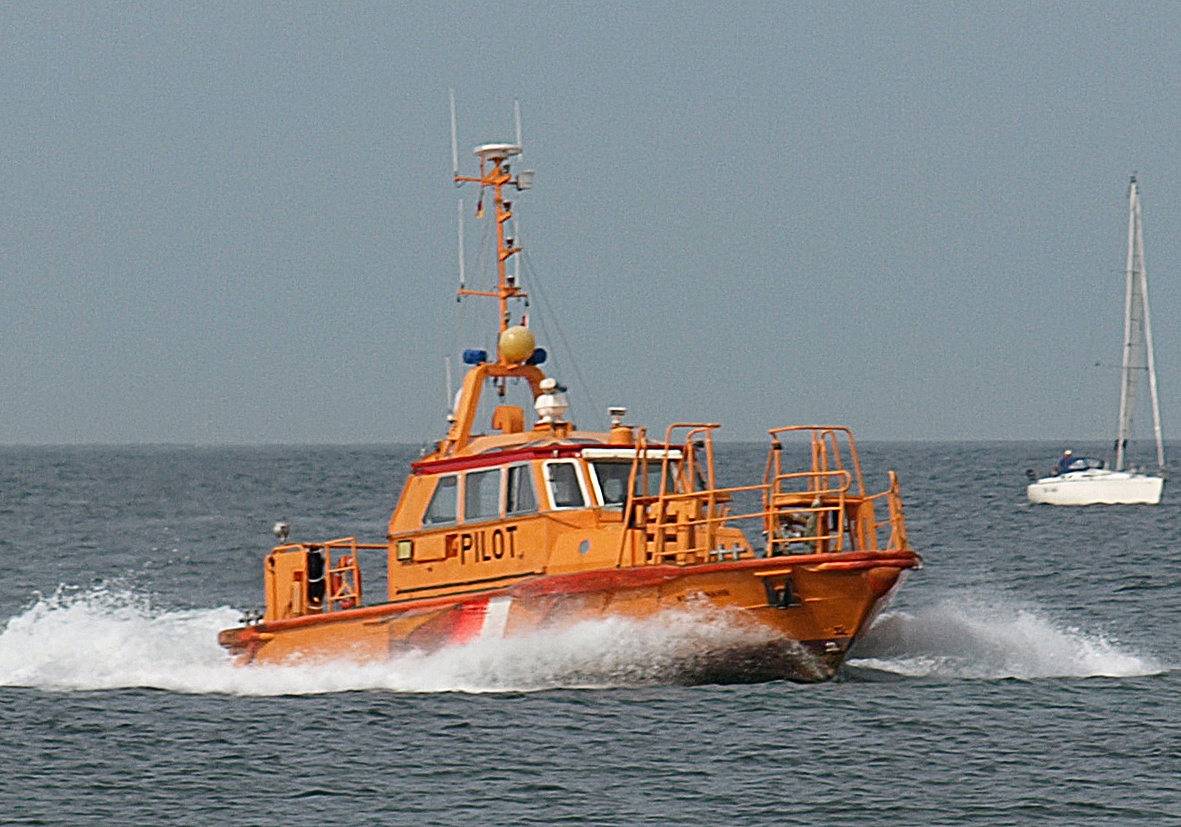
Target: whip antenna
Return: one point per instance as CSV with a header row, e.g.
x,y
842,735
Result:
x,y
462,276
447,381
517,115
454,144
516,227
517,259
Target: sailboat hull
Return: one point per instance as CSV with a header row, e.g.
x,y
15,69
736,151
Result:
x,y
1097,487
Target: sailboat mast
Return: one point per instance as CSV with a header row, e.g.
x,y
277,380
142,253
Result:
x,y
1137,349
1127,375
1148,350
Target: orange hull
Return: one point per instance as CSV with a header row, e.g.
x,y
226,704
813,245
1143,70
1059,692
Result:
x,y
801,632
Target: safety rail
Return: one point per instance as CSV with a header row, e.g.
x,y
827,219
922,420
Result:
x,y
807,516
825,445
690,519
329,578
896,521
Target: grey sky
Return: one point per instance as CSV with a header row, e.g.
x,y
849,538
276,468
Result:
x,y
233,222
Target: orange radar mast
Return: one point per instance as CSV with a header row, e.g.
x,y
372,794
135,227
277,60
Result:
x,y
495,174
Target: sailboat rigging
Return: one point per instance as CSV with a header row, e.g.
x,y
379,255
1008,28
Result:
x,y
1138,351
1086,481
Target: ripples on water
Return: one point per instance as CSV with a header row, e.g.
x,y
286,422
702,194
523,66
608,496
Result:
x,y
1026,674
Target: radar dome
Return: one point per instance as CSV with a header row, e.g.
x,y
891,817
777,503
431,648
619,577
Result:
x,y
516,344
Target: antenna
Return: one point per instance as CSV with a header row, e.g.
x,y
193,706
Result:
x,y
447,379
454,143
462,275
517,226
517,259
495,174
517,115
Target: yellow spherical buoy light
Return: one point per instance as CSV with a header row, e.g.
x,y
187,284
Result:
x,y
516,344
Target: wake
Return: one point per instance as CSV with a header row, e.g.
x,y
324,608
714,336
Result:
x,y
965,638
109,639
106,639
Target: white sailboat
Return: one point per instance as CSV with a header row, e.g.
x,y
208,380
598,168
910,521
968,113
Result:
x,y
1086,481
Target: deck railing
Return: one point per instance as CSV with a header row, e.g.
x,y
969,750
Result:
x,y
332,584
690,519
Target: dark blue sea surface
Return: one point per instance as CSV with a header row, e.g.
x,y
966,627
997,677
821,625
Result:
x,y
1028,674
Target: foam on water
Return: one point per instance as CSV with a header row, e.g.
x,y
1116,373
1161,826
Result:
x,y
971,637
111,639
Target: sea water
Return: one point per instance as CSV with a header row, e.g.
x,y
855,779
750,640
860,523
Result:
x,y
1028,673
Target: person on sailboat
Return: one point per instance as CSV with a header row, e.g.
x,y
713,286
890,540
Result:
x,y
1069,462
1064,462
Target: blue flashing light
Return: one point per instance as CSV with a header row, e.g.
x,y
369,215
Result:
x,y
475,356
537,358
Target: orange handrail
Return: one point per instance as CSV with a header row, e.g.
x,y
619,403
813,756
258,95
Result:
x,y
684,525
341,572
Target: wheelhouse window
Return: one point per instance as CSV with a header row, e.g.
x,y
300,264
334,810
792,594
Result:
x,y
441,508
519,496
481,495
653,487
612,476
565,491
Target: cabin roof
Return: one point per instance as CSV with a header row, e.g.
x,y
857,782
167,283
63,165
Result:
x,y
500,449
496,449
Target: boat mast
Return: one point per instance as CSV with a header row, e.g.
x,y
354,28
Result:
x,y
1148,349
494,174
1138,350
516,354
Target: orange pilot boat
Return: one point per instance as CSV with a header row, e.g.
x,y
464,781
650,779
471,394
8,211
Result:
x,y
538,525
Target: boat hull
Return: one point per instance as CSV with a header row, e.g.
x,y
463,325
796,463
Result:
x,y
791,618
1097,487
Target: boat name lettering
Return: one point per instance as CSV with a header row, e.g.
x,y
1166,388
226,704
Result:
x,y
484,545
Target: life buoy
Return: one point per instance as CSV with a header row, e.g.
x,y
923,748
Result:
x,y
337,581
